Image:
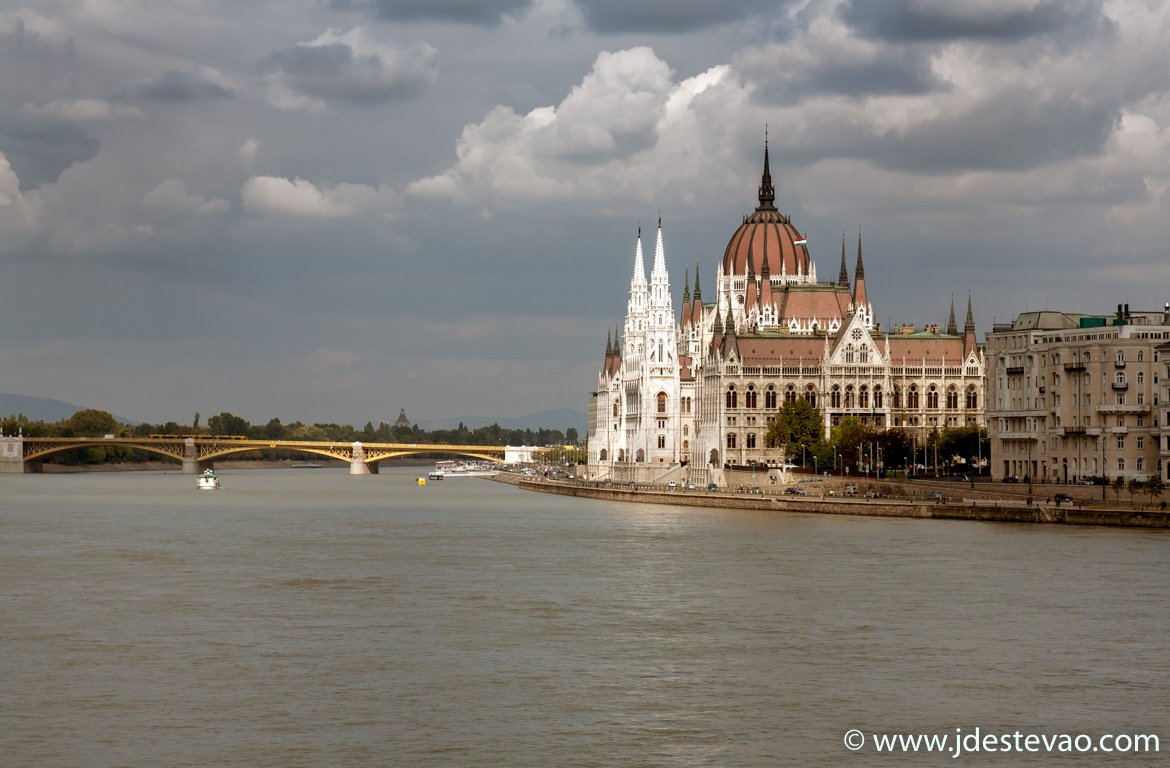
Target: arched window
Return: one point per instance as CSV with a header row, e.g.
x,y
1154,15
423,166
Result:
x,y
730,439
1120,463
1119,378
770,397
897,397
616,409
952,398
877,397
810,394
912,397
662,402
972,398
849,397
662,441
713,459
835,397
686,445
863,397
640,456
751,441
604,455
790,394
749,398
732,398
932,397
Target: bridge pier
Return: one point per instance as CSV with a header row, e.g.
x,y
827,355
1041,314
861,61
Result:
x,y
358,465
12,455
191,463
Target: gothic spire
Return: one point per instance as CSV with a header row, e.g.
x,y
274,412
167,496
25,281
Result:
x,y
767,191
608,345
859,298
843,278
952,328
686,287
698,290
639,262
969,326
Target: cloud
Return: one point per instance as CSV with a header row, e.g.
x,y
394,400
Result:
x,y
355,67
171,197
19,213
201,84
670,16
248,151
463,11
626,132
40,150
1006,20
299,198
80,111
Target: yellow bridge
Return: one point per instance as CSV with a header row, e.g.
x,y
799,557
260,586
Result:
x,y
199,453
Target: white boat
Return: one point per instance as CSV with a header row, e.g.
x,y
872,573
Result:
x,y
208,481
438,474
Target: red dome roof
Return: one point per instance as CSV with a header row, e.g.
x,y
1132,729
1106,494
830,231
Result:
x,y
766,239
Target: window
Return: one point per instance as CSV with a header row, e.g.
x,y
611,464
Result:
x,y
662,441
912,397
661,403
732,398
877,397
932,397
1141,463
849,397
1121,442
1121,465
751,440
1141,443
952,399
972,398
730,439
810,394
616,409
835,397
863,398
790,394
770,397
749,398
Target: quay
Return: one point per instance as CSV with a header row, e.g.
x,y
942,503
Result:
x,y
976,509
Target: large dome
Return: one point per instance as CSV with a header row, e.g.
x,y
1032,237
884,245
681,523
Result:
x,y
766,239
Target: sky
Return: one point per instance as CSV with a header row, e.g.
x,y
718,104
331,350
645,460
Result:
x,y
328,210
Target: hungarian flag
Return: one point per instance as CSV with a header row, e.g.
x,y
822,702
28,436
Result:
x,y
801,241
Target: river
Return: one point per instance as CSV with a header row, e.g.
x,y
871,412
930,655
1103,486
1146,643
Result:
x,y
310,618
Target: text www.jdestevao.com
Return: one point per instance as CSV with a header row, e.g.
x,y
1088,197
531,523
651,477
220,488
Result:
x,y
975,741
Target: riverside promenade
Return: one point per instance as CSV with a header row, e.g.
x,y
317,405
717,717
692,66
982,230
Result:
x,y
999,510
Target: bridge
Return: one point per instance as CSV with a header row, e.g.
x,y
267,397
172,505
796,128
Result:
x,y
197,453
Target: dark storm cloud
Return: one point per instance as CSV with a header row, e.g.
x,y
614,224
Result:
x,y
464,11
40,151
183,86
22,43
334,70
897,71
671,16
908,20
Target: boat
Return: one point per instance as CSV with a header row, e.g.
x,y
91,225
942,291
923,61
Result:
x,y
208,481
438,474
421,480
466,469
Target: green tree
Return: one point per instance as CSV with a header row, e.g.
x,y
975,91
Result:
x,y
796,428
228,424
897,445
1118,484
959,445
848,438
571,436
91,423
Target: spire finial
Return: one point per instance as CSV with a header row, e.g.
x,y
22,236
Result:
x,y
767,191
859,273
843,278
969,327
952,328
698,290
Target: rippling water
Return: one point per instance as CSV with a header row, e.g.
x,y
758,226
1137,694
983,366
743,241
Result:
x,y
309,618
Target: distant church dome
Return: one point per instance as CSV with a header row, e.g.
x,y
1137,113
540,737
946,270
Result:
x,y
766,239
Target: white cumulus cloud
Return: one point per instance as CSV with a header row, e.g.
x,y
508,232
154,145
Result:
x,y
298,197
80,110
172,197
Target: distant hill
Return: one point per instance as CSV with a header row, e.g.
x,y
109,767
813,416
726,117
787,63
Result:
x,y
560,418
42,408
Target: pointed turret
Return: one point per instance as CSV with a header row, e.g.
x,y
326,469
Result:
x,y
639,262
952,327
659,269
843,278
970,341
767,191
860,302
686,287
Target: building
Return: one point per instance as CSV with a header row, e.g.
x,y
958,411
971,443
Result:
x,y
700,389
1074,397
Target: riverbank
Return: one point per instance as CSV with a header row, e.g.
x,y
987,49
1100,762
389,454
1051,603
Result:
x,y
977,509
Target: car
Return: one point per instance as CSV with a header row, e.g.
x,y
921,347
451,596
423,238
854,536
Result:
x,y
1011,479
795,490
1059,497
711,487
936,496
876,494
849,490
690,486
671,484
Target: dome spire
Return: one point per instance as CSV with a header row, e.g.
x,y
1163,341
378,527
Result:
x,y
767,191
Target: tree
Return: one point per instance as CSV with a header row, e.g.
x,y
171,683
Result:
x,y
571,436
227,424
897,445
797,427
848,437
91,423
959,445
1118,484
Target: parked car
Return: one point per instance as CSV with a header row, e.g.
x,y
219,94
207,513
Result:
x,y
1059,497
712,487
671,484
795,490
936,496
850,490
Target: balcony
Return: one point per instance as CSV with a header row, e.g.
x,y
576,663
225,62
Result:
x,y
1120,386
1123,409
1074,366
1118,363
1074,430
1014,370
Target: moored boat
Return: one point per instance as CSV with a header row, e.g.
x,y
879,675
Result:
x,y
208,481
